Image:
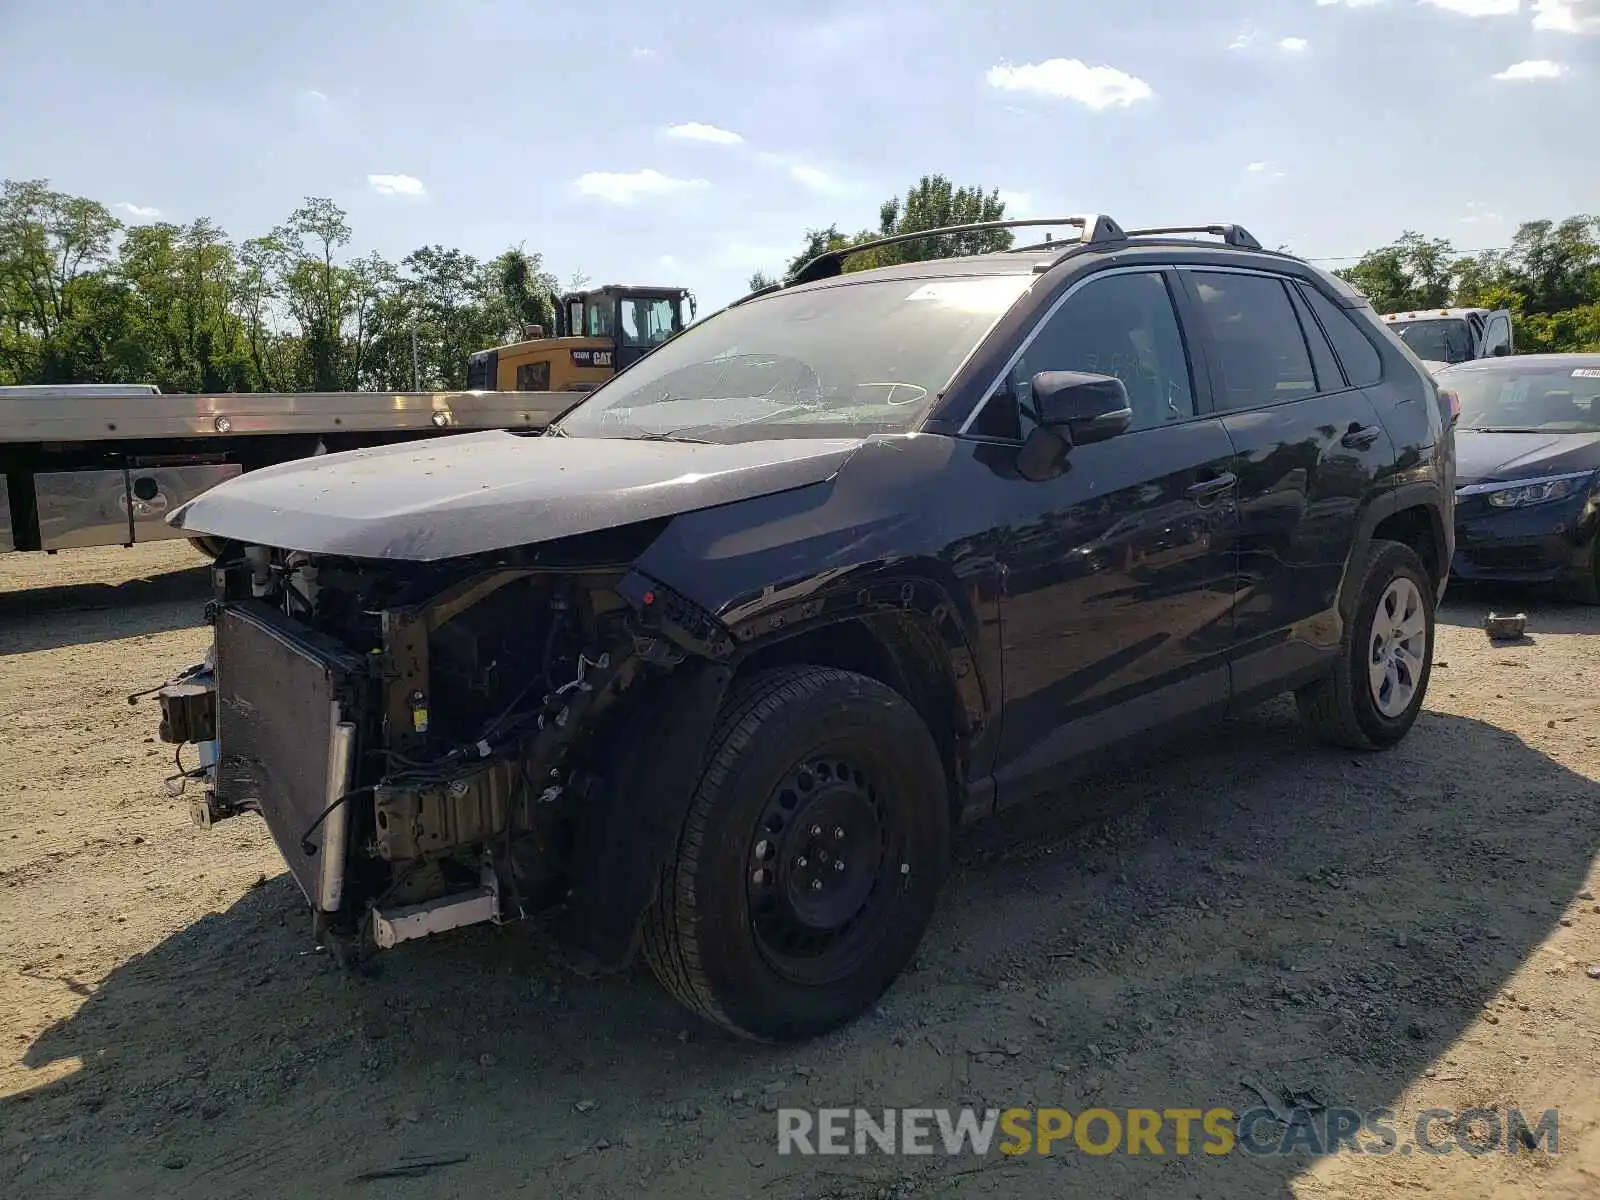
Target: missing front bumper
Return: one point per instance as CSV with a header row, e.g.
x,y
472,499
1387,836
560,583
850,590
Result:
x,y
393,926
268,713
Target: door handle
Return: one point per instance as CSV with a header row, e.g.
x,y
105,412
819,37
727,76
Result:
x,y
1214,486
1359,437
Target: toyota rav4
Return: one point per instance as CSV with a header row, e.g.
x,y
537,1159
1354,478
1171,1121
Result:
x,y
714,666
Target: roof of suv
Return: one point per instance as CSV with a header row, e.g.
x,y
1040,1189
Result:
x,y
1003,262
826,270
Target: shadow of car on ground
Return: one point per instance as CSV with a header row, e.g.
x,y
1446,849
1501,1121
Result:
x,y
45,618
1239,907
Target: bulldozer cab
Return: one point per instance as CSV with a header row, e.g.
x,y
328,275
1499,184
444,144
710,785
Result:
x,y
635,319
598,332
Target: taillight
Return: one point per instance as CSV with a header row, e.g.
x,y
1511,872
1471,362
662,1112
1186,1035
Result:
x,y
1451,403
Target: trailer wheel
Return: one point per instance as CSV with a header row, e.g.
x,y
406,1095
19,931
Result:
x,y
810,860
207,547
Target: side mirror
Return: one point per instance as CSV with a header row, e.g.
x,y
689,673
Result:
x,y
1087,408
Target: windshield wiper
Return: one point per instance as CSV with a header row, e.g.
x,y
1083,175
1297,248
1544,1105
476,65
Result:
x,y
671,435
1503,429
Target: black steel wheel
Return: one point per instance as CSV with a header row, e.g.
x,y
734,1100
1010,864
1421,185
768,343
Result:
x,y
811,858
822,864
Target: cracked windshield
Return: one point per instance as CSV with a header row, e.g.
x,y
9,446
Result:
x,y
846,360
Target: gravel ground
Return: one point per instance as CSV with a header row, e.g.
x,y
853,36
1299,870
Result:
x,y
1409,930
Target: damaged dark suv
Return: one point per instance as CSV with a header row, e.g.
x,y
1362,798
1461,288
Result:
x,y
713,667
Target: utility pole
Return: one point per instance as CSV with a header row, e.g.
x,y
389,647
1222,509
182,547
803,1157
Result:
x,y
416,363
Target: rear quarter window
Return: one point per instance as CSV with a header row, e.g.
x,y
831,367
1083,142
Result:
x,y
1363,366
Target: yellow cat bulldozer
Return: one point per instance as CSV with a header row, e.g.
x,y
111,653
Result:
x,y
598,332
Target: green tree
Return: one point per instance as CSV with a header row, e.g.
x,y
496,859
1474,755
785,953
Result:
x,y
51,246
182,328
1554,267
1413,272
524,289
932,203
317,291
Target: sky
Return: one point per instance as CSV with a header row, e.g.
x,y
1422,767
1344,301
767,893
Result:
x,y
694,142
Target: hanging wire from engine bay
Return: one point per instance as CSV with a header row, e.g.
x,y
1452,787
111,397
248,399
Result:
x,y
553,709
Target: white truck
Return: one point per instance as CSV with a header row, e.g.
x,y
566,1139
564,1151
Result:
x,y
103,464
1442,336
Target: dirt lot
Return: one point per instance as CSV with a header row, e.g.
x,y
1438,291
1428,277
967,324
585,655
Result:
x,y
1410,930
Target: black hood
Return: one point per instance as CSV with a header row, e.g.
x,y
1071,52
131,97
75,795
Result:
x,y
479,492
1492,457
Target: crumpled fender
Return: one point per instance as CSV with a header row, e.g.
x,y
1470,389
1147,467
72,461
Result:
x,y
626,833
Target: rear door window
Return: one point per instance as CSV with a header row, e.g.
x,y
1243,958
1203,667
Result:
x,y
1261,356
1329,377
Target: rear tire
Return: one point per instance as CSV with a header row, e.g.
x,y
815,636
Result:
x,y
810,860
1380,679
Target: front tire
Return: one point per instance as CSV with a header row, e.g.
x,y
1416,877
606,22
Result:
x,y
1379,681
810,860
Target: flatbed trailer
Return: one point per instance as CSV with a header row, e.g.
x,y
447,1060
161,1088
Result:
x,y
100,466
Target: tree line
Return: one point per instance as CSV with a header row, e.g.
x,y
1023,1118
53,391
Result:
x,y
1548,277
86,298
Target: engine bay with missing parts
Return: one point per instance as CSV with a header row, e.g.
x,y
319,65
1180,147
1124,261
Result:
x,y
480,708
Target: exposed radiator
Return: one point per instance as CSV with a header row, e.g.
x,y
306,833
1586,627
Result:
x,y
286,745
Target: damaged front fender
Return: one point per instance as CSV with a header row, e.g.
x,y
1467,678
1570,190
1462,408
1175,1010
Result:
x,y
627,827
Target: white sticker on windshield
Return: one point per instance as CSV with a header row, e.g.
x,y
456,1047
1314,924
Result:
x,y
982,294
1586,373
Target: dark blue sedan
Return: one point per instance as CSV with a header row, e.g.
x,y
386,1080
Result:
x,y
1528,470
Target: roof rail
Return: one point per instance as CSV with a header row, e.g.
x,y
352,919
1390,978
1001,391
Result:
x,y
1232,235
1096,229
760,291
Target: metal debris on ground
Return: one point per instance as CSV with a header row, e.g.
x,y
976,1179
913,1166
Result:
x,y
1505,629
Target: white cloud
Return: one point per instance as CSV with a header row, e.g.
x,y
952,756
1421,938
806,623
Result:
x,y
1247,38
397,185
640,53
1257,166
812,177
1567,16
1478,213
1294,45
317,97
143,211
696,131
1018,204
1098,88
1349,3
740,255
1478,8
624,187
1533,68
